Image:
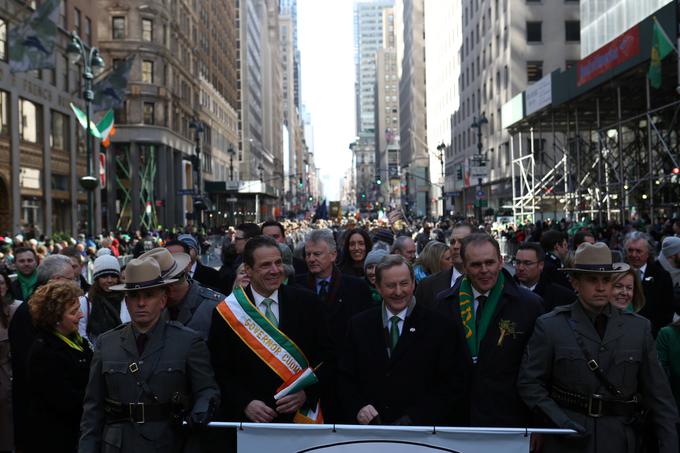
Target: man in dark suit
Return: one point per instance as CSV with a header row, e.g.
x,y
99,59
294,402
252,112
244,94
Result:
x,y
528,273
205,275
342,296
247,383
656,281
556,249
275,230
497,317
401,364
427,289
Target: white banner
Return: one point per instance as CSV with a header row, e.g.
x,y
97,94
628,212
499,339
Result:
x,y
402,439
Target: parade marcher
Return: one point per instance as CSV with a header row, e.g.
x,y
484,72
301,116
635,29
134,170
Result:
x,y
627,293
592,368
406,247
21,335
428,288
205,275
147,376
57,368
357,245
435,258
656,282
555,244
26,263
529,262
189,302
496,317
102,308
245,322
8,306
668,348
401,363
372,260
276,230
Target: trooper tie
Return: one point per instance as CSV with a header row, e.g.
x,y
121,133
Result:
x,y
323,291
481,301
141,340
268,313
394,332
601,325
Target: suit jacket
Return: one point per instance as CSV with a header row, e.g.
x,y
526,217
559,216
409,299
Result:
x,y
242,375
428,288
658,287
207,276
553,295
174,360
57,377
627,356
422,382
493,396
195,310
21,335
300,266
552,272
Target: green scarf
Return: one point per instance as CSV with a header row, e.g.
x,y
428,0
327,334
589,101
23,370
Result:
x,y
375,296
467,312
27,284
76,342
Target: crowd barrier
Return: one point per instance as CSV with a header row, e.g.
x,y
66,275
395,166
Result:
x,y
298,438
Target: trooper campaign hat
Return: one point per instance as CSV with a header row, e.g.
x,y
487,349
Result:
x,y
595,259
171,264
142,273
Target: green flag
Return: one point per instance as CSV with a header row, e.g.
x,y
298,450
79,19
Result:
x,y
32,42
110,91
82,119
661,46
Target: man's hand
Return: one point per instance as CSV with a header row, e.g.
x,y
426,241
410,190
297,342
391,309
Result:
x,y
366,414
289,404
259,412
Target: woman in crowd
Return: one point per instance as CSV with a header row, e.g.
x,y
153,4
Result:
x,y
668,348
7,307
58,368
357,245
102,308
242,278
434,258
627,293
370,263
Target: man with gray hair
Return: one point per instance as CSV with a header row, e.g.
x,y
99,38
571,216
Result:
x,y
405,247
21,336
342,296
656,281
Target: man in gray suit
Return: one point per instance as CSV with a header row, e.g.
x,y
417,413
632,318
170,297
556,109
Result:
x,y
592,368
147,376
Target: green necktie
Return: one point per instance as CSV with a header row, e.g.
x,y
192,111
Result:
x,y
394,332
268,313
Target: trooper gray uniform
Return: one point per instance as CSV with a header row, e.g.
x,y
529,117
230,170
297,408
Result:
x,y
133,402
195,310
557,380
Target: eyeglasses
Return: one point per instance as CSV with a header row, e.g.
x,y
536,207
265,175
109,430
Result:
x,y
523,263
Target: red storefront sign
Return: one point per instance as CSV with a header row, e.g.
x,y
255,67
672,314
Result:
x,y
609,56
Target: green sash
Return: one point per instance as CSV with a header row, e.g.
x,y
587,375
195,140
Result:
x,y
467,312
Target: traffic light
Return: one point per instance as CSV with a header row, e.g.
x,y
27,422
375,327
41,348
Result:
x,y
300,184
459,173
378,181
676,171
363,195
311,198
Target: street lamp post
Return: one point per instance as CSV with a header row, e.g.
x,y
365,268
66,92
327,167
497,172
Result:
x,y
199,203
231,153
93,64
441,148
477,123
260,170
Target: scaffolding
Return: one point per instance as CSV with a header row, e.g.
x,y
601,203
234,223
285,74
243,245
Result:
x,y
145,173
611,153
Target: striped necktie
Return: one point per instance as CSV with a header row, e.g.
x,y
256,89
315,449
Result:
x,y
269,313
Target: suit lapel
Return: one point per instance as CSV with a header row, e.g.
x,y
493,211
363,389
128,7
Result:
x,y
582,323
409,333
284,310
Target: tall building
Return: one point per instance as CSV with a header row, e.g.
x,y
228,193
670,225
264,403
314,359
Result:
x,y
414,154
42,151
442,67
507,45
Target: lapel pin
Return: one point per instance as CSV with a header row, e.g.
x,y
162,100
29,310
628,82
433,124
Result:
x,y
412,329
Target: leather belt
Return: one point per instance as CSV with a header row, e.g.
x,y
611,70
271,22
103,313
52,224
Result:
x,y
140,413
595,405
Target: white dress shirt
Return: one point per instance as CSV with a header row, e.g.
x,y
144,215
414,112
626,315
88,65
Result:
x,y
192,270
454,276
262,307
643,270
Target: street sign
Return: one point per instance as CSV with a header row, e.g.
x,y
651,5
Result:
x,y
477,172
186,192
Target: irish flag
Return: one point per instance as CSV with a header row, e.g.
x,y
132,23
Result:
x,y
298,382
106,128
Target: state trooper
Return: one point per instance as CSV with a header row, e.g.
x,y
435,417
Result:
x,y
148,376
593,368
189,302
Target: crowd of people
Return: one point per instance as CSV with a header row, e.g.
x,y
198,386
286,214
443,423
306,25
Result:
x,y
130,343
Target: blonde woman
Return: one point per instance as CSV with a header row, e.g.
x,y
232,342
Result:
x,y
627,293
435,257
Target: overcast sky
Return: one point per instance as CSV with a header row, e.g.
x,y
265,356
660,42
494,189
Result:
x,y
326,42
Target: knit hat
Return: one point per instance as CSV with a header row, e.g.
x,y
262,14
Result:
x,y
374,257
670,246
188,240
106,265
383,235
104,252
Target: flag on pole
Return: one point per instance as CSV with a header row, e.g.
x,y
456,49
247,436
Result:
x,y
32,42
109,92
106,128
661,47
82,119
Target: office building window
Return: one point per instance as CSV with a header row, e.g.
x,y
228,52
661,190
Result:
x,y
30,121
63,71
59,131
534,31
76,21
62,14
149,113
3,39
572,30
147,30
534,71
118,27
4,113
88,31
147,71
